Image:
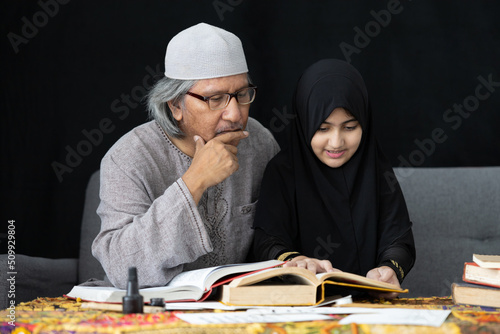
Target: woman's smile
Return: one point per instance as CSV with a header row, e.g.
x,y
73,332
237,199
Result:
x,y
335,154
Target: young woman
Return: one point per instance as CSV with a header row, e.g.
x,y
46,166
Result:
x,y
330,200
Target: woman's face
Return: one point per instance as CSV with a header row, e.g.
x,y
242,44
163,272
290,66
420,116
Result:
x,y
337,138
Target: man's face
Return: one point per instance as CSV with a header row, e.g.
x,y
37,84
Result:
x,y
198,119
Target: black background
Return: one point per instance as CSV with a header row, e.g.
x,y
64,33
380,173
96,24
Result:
x,y
77,69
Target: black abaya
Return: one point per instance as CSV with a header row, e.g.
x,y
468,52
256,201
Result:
x,y
354,215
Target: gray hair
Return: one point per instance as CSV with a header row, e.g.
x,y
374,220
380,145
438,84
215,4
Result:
x,y
164,90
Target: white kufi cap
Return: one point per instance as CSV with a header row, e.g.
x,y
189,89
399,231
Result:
x,y
204,52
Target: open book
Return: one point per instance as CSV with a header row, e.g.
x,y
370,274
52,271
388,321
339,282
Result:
x,y
194,285
298,286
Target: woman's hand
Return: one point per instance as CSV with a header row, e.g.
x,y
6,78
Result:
x,y
314,265
384,274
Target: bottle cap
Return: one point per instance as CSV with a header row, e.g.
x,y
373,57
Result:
x,y
157,302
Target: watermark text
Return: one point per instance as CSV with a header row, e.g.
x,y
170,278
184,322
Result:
x,y
11,272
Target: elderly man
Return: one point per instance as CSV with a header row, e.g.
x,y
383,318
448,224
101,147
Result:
x,y
179,192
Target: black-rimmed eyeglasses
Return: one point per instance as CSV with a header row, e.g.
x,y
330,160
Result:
x,y
220,101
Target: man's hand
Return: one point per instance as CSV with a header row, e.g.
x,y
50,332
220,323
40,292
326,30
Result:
x,y
212,163
384,274
314,265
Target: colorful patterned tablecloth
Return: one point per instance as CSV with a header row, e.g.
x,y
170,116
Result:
x,y
61,315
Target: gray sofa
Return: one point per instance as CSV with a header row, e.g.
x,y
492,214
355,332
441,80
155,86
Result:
x,y
456,212
44,277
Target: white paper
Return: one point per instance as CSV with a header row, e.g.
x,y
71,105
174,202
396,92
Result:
x,y
204,278
390,316
318,310
359,315
215,305
202,306
244,317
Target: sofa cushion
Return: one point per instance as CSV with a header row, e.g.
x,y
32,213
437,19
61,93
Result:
x,y
36,277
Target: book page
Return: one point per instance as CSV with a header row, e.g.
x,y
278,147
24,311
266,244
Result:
x,y
193,277
293,274
355,279
97,293
114,295
184,292
206,277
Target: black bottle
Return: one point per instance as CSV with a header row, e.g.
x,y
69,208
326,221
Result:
x,y
133,302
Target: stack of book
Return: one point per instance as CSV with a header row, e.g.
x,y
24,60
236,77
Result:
x,y
481,282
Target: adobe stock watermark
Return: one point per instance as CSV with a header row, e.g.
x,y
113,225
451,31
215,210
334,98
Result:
x,y
31,27
11,272
92,138
454,117
326,247
281,119
372,29
221,7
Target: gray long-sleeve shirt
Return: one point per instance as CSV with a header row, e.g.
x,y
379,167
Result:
x,y
149,219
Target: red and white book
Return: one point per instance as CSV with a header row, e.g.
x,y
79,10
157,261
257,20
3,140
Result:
x,y
475,274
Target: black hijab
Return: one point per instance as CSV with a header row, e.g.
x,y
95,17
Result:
x,y
346,214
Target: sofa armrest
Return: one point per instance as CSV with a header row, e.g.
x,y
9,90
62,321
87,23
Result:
x,y
36,277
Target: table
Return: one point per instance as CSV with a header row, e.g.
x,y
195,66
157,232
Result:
x,y
62,315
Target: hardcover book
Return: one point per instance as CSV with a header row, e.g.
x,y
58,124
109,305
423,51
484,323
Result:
x,y
295,286
487,261
475,274
474,294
